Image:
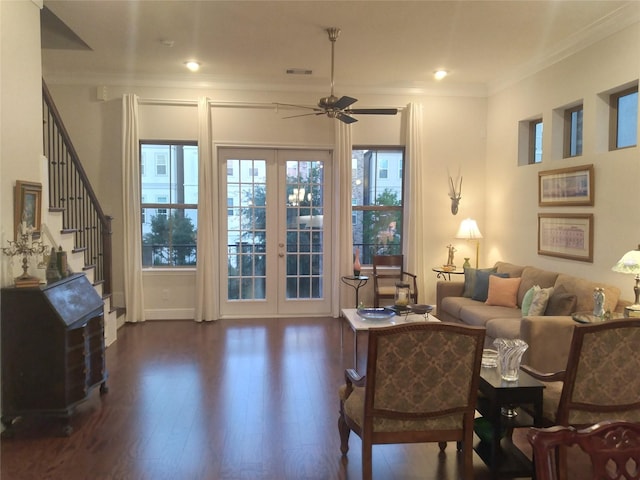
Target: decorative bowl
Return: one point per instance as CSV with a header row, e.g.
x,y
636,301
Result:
x,y
420,309
376,314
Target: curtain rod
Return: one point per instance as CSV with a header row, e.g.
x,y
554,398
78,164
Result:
x,y
194,103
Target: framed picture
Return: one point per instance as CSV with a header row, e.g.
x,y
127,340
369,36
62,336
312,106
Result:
x,y
566,236
566,186
28,206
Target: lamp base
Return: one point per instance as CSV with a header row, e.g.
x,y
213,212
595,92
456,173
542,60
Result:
x,y
632,311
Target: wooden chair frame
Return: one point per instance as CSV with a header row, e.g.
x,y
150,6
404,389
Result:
x,y
463,436
613,446
392,269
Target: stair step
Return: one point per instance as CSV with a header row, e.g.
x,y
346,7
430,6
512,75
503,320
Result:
x,y
56,209
89,267
68,230
79,249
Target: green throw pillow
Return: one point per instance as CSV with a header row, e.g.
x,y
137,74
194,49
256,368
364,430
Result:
x,y
527,299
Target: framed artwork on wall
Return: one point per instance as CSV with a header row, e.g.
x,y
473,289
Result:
x,y
28,206
566,235
566,187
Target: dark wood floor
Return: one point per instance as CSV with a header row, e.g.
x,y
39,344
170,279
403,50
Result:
x,y
229,400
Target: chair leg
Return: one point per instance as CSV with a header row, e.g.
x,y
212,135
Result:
x,y
467,454
442,446
344,430
367,467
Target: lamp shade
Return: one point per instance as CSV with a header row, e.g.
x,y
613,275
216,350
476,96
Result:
x,y
468,229
629,263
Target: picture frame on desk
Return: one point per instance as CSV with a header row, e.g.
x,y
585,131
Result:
x,y
27,207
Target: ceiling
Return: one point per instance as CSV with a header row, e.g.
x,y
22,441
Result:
x,y
385,46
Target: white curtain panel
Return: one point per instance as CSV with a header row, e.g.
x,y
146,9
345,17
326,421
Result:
x,y
133,291
207,291
343,251
416,176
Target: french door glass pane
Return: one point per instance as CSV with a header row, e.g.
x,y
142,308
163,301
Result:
x,y
304,230
246,229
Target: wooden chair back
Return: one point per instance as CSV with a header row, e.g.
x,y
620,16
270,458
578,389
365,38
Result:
x,y
612,446
387,271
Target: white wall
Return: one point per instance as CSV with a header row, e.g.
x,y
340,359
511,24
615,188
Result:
x,y
20,111
511,195
454,138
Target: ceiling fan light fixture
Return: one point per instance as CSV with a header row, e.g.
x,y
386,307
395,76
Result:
x,y
440,74
192,65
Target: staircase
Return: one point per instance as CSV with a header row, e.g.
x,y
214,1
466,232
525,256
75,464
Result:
x,y
74,218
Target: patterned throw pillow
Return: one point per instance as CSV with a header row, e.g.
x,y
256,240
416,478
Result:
x,y
540,300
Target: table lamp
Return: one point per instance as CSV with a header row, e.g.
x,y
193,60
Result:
x,y
630,263
469,231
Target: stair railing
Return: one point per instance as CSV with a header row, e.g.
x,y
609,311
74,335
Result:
x,y
71,193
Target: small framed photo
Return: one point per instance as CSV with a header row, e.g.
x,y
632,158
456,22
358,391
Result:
x,y
28,206
566,186
566,236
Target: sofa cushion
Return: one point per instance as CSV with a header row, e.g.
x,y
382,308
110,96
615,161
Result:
x,y
470,275
503,291
583,289
540,300
481,288
510,268
535,276
480,313
561,302
453,305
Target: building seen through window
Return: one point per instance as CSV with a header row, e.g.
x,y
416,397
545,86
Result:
x,y
377,201
169,201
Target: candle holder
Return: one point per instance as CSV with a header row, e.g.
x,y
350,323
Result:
x,y
26,247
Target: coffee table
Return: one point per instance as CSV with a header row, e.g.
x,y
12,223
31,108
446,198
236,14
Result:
x,y
496,447
359,325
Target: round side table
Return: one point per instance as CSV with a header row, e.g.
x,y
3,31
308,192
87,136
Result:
x,y
355,282
446,274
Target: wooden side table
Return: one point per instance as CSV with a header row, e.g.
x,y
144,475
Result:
x,y
496,448
355,282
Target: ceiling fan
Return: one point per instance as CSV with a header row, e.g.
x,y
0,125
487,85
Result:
x,y
334,107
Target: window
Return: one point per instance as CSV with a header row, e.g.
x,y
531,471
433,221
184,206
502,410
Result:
x,y
624,119
535,141
573,132
169,224
377,201
161,164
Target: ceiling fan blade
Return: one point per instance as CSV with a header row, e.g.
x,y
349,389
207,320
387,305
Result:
x,y
372,111
304,115
345,118
316,109
344,102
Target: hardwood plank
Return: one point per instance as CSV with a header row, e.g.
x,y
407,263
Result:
x,y
235,399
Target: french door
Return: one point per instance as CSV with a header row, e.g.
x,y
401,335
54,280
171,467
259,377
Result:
x,y
275,207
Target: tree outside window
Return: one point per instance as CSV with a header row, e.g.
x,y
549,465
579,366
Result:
x,y
169,226
377,201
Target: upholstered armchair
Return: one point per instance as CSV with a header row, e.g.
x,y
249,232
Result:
x,y
387,271
601,381
612,446
421,385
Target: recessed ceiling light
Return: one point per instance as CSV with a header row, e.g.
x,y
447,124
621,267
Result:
x,y
440,74
192,65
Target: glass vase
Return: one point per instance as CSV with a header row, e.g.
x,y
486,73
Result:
x,y
510,353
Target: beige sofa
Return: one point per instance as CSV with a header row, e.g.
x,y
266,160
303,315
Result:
x,y
548,337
